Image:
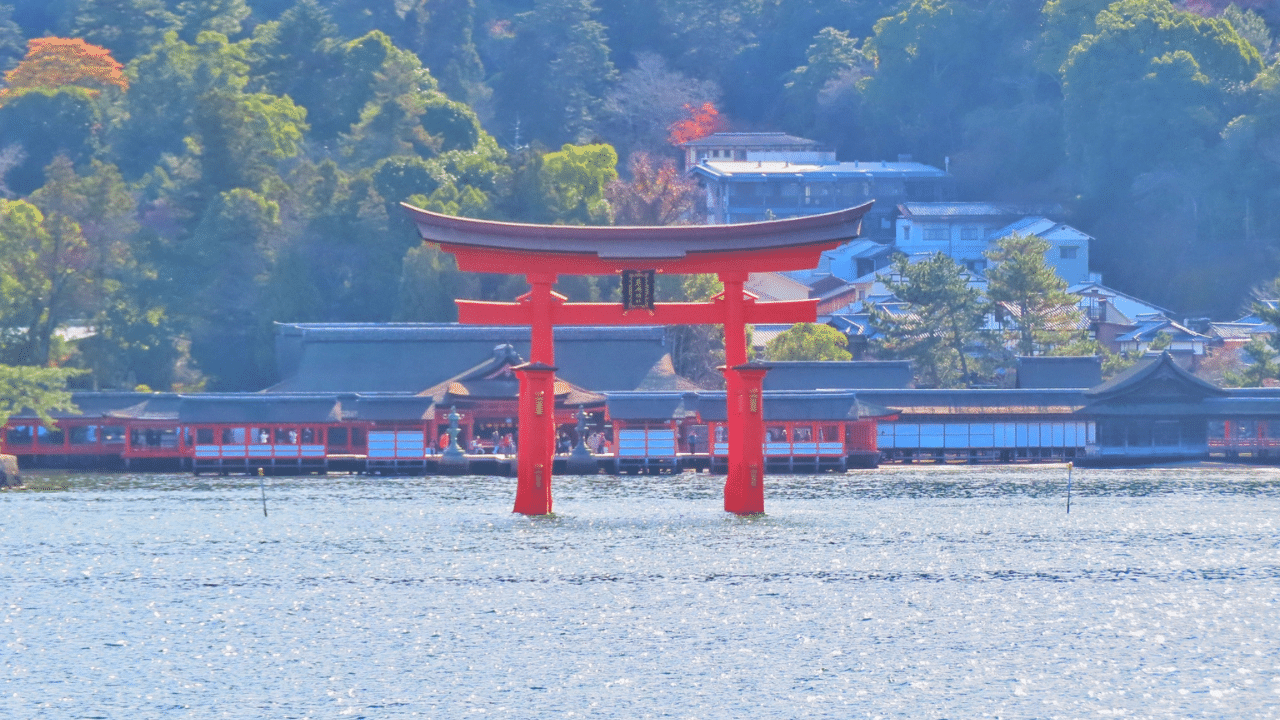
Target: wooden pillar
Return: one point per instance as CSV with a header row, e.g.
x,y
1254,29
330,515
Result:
x,y
536,448
542,348
744,485
535,451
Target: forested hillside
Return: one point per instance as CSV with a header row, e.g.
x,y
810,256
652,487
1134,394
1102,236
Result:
x,y
177,174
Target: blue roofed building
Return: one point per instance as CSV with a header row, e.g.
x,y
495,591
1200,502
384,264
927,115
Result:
x,y
751,177
966,231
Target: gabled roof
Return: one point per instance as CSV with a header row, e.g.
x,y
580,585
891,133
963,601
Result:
x,y
1154,379
756,139
495,379
411,357
1129,305
1238,330
1039,226
1149,328
762,170
942,210
1059,372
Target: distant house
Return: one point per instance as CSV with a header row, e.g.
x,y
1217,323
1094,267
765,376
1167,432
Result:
x,y
1186,345
751,177
966,231
755,147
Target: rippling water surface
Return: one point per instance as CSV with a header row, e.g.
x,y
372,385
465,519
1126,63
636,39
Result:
x,y
949,592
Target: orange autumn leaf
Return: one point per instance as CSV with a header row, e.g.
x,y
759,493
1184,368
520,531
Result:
x,y
702,121
54,62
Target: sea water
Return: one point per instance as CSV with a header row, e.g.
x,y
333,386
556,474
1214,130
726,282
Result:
x,y
904,592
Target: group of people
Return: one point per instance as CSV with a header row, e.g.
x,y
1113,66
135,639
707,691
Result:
x,y
506,444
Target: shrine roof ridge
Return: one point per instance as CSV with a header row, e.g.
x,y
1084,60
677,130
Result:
x,y
402,332
671,242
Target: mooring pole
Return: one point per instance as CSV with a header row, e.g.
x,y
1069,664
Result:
x,y
262,485
1069,468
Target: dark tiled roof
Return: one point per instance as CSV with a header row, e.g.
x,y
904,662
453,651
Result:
x,y
785,405
259,408
1059,372
412,358
495,379
391,407
652,405
881,374
1160,375
760,139
109,404
969,402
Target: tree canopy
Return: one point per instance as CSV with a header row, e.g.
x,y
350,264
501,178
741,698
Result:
x,y
189,173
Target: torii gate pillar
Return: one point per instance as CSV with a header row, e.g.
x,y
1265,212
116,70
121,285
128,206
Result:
x,y
744,383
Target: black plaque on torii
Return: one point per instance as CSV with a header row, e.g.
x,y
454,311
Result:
x,y
638,289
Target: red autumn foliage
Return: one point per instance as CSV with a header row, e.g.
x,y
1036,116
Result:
x,y
54,62
701,122
657,194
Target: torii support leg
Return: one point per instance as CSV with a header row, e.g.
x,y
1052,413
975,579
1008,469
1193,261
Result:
x,y
744,485
535,452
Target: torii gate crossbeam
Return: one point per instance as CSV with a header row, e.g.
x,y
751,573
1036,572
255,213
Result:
x,y
543,253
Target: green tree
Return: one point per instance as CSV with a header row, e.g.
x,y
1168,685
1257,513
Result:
x,y
1040,312
12,44
224,17
809,341
39,390
1149,88
554,88
166,85
941,327
832,54
298,55
1262,365
697,351
1251,26
573,182
924,79
429,283
231,262
128,28
45,124
43,279
241,136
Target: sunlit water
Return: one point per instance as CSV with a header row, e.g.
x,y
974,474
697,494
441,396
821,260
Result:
x,y
950,592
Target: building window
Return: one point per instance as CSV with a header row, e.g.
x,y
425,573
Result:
x,y
936,234
970,233
906,233
1068,252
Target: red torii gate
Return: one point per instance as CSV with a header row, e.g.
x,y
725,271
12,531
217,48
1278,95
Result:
x,y
543,252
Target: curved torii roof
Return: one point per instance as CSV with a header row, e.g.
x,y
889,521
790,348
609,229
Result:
x,y
518,248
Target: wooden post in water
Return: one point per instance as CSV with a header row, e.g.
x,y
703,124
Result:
x,y
262,485
1070,466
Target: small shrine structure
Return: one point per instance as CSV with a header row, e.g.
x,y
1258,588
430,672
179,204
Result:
x,y
543,253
